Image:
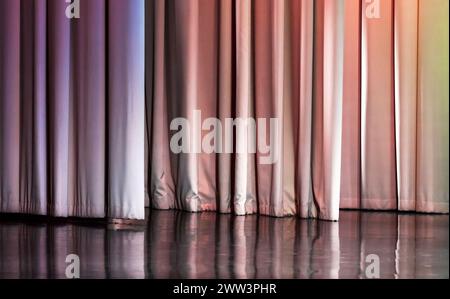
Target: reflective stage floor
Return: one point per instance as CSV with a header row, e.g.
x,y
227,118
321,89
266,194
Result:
x,y
207,245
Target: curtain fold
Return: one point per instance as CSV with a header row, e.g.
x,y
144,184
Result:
x,y
353,100
432,187
10,105
351,108
87,107
327,107
33,149
378,180
406,41
126,109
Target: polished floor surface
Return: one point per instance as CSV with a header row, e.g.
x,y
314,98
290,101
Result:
x,y
207,245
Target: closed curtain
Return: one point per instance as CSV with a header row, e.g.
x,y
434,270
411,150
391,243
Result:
x,y
72,126
360,89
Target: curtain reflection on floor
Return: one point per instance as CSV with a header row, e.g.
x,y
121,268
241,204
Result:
x,y
208,245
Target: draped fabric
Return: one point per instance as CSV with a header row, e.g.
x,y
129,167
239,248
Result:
x,y
359,90
243,59
71,108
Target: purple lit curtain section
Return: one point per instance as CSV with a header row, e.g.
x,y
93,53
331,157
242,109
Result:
x,y
126,108
71,108
362,103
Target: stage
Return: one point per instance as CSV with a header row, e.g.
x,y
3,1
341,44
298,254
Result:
x,y
175,244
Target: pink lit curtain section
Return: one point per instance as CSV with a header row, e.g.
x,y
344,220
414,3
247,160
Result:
x,y
404,108
363,104
72,98
86,104
248,59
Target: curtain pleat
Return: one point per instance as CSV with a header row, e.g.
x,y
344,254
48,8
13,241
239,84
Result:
x,y
421,47
406,35
33,147
58,30
162,185
10,106
432,187
302,84
351,108
224,105
378,179
327,107
126,109
244,198
88,125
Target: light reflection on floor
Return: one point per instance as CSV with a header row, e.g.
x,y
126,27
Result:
x,y
208,245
